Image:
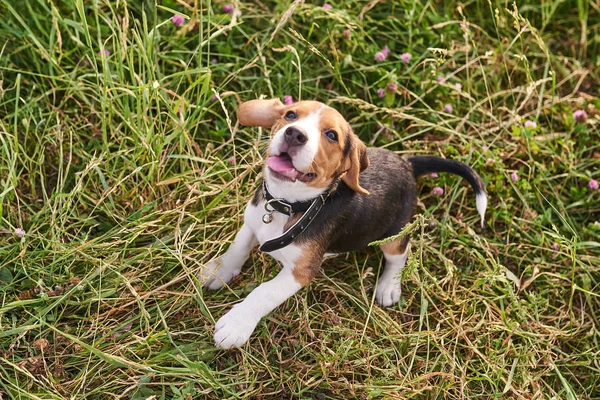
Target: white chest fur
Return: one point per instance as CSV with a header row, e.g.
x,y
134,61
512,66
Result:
x,y
264,232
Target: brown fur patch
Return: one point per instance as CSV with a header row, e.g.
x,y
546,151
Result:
x,y
395,247
328,161
307,265
356,162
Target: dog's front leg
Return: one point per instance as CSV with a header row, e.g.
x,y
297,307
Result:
x,y
223,269
300,265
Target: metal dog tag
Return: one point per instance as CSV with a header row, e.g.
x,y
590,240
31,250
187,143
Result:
x,y
267,218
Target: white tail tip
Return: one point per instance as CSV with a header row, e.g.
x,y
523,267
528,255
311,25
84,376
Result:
x,y
481,201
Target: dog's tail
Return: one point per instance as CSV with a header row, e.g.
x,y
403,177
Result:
x,y
427,164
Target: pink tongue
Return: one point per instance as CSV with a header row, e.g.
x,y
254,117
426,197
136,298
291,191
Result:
x,y
283,165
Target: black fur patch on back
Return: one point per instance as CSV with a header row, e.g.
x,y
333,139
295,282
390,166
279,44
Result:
x,y
349,221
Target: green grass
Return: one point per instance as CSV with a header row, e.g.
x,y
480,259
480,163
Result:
x,y
118,167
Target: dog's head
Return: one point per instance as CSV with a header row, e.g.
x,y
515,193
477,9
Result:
x,y
311,145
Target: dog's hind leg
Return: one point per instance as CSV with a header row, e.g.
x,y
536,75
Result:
x,y
388,289
223,269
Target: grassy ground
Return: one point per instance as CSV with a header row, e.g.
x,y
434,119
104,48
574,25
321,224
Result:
x,y
126,176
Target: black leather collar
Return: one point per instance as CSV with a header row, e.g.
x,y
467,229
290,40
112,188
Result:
x,y
310,208
283,207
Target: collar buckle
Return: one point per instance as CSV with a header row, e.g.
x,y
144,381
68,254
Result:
x,y
278,205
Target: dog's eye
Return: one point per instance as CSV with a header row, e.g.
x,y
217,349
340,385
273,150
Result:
x,y
290,115
331,135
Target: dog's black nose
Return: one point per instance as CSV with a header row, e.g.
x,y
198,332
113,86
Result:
x,y
295,137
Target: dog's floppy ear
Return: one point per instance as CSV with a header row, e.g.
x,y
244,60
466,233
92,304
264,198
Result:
x,y
262,113
356,162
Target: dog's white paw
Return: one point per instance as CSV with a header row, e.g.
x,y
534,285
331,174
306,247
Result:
x,y
388,292
214,275
234,328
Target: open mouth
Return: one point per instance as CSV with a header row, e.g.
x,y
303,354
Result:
x,y
283,168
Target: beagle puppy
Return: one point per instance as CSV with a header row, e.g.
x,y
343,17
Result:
x,y
324,192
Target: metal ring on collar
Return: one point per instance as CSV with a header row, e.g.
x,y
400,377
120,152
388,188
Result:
x,y
286,207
